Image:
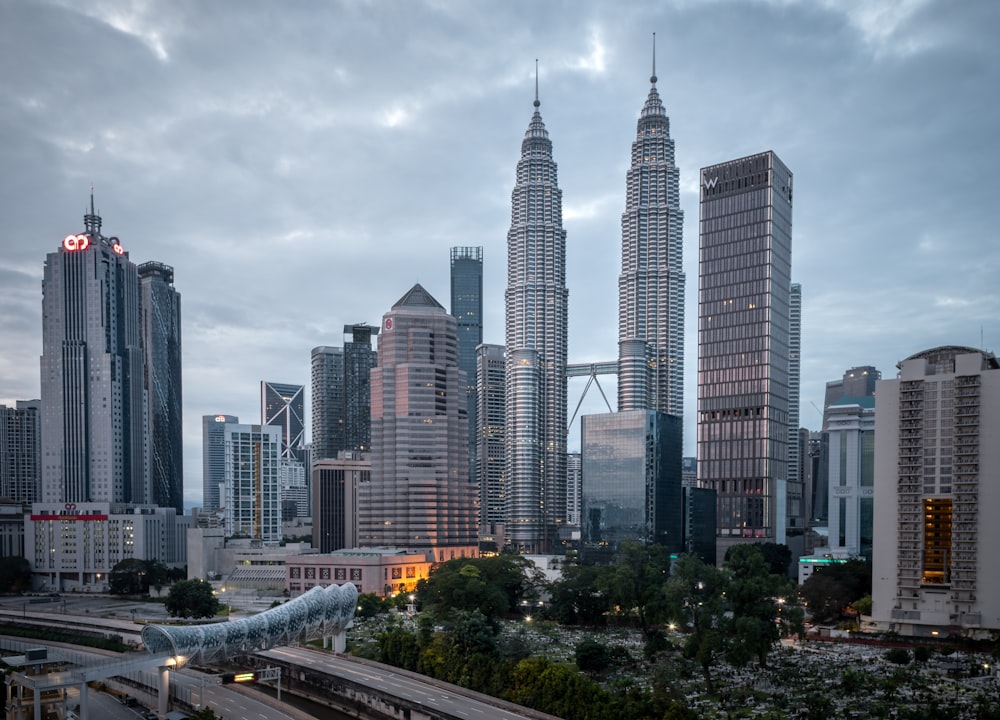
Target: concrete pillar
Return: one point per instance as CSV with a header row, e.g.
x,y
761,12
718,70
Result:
x,y
84,712
163,705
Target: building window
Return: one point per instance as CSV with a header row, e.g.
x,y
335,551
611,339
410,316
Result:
x,y
937,541
355,573
340,573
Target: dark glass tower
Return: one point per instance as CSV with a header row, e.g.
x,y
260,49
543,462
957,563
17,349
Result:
x,y
341,394
161,340
651,284
744,269
20,451
92,372
536,302
283,405
467,309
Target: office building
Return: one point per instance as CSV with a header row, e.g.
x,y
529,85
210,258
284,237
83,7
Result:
x,y
295,496
251,486
283,405
93,409
335,488
631,471
420,495
490,462
851,452
73,547
161,342
467,309
574,489
937,496
341,393
213,459
651,283
744,271
857,382
797,515
20,452
536,301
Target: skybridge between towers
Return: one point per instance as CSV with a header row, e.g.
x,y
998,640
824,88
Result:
x,y
590,371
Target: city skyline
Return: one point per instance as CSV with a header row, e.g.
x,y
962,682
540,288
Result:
x,y
315,154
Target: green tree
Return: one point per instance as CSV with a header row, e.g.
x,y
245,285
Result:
x,y
15,574
755,596
694,596
898,656
559,690
191,599
494,586
832,589
576,599
370,605
634,586
133,576
777,556
592,656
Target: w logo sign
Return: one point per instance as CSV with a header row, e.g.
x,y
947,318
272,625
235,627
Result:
x,y
709,184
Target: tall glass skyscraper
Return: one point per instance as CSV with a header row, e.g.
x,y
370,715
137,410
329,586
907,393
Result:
x,y
20,451
632,487
651,284
744,268
341,393
213,458
92,372
161,342
419,495
797,507
467,309
536,301
490,462
283,405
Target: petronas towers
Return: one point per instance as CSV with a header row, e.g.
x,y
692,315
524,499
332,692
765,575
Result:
x,y
651,317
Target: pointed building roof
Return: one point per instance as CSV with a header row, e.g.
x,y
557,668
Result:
x,y
536,128
653,106
417,297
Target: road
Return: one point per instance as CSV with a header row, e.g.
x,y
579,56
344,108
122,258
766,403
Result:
x,y
455,701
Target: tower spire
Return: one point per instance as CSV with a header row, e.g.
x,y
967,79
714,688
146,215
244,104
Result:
x,y
652,78
536,83
91,220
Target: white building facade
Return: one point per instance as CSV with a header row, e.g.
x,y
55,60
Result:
x,y
936,495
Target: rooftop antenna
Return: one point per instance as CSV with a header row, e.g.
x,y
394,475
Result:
x,y
536,83
652,78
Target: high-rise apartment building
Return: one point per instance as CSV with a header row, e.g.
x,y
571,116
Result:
x,y
161,342
283,405
744,269
213,458
651,284
536,302
20,451
491,456
94,415
341,393
937,496
467,309
251,486
631,470
420,495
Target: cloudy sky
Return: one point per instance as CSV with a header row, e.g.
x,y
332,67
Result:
x,y
301,165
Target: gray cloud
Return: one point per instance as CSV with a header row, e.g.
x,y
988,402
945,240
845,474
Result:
x,y
302,166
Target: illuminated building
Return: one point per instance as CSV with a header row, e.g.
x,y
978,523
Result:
x,y
420,496
467,309
161,342
651,283
93,405
744,267
536,301
72,547
20,451
631,469
251,487
382,571
341,393
936,495
213,458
